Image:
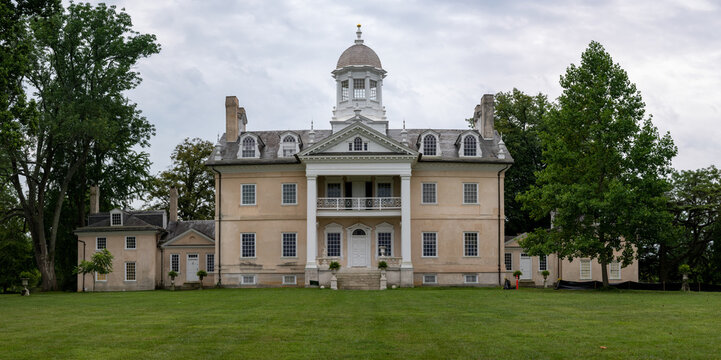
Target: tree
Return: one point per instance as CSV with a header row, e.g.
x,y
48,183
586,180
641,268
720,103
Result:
x,y
606,168
195,181
101,263
82,66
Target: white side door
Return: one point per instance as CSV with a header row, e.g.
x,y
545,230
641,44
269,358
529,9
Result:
x,y
192,268
526,267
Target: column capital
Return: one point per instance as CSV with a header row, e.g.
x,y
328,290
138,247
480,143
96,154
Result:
x,y
311,177
405,177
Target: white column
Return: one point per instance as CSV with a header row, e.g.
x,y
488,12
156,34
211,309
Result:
x,y
311,232
406,222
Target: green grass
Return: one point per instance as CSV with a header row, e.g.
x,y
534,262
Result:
x,y
397,324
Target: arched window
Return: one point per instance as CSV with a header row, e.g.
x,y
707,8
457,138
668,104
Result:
x,y
288,146
358,144
289,139
248,147
469,146
429,145
359,232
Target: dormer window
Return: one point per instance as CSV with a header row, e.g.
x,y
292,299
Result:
x,y
469,145
359,88
249,146
116,218
358,145
429,144
289,146
344,90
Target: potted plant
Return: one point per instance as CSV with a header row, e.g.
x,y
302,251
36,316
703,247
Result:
x,y
333,266
382,265
684,269
545,274
25,278
173,274
517,274
201,274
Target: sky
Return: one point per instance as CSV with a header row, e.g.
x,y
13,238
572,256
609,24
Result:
x,y
441,57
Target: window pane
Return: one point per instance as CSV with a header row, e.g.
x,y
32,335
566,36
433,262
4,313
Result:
x,y
374,86
130,242
248,147
248,245
470,193
615,270
385,244
175,262
429,145
429,193
384,190
101,243
101,277
429,279
357,144
130,271
543,262
344,90
289,193
117,219
585,269
429,244
470,244
333,244
333,190
210,262
359,88
248,197
469,146
509,261
289,247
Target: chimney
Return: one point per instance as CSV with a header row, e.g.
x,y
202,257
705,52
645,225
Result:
x,y
231,119
487,116
173,204
94,199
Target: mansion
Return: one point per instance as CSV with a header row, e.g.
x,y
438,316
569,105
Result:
x,y
427,202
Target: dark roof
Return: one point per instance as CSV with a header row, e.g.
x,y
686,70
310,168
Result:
x,y
176,228
447,139
359,54
150,220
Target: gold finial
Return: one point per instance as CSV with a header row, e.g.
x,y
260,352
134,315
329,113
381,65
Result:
x,y
358,25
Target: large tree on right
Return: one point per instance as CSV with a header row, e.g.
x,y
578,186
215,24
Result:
x,y
606,168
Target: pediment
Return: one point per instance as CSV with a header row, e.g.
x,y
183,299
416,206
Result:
x,y
189,238
372,143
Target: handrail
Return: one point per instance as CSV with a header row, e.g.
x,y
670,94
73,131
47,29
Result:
x,y
358,203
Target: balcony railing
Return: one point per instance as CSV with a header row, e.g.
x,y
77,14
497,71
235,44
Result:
x,y
359,203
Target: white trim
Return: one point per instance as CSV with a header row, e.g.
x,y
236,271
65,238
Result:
x,y
209,269
385,227
135,239
539,262
478,244
351,131
295,200
254,282
463,193
281,245
610,271
255,245
167,243
435,279
349,231
351,166
170,263
295,280
96,278
255,195
333,228
116,212
96,242
421,143
436,241
465,279
188,272
240,146
590,269
462,139
126,271
435,190
281,143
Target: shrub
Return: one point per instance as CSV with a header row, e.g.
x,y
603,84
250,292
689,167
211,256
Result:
x,y
201,274
334,265
173,274
545,274
684,269
32,276
517,273
382,265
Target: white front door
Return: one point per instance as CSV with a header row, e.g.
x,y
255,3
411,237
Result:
x,y
192,268
526,267
359,249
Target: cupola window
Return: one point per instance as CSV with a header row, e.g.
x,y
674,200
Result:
x,y
359,89
469,145
248,147
344,90
374,87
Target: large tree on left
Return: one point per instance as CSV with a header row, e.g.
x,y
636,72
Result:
x,y
80,66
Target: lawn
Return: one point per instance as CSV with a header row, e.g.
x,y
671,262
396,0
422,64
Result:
x,y
396,324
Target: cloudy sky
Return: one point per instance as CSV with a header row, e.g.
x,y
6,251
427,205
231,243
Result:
x,y
441,57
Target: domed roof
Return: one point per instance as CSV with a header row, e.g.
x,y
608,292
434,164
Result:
x,y
359,54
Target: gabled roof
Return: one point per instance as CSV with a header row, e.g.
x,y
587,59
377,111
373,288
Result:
x,y
146,220
177,229
353,130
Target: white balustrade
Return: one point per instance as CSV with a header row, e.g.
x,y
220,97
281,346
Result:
x,y
359,203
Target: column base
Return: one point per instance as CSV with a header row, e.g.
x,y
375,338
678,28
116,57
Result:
x,y
311,274
407,276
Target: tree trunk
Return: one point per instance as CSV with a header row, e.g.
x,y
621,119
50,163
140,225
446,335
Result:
x,y
604,274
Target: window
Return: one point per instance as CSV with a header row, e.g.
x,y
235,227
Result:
x,y
116,219
470,279
374,87
430,244
509,261
344,90
470,244
614,270
288,146
289,279
358,144
101,277
247,280
585,269
429,145
429,193
470,193
210,263
101,243
359,88
130,242
247,194
129,271
469,145
384,190
333,190
247,245
543,262
289,194
289,244
385,244
332,244
430,279
248,147
175,262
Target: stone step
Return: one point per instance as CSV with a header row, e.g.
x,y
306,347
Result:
x,y
359,279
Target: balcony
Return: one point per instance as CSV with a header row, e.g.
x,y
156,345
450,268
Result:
x,y
359,206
